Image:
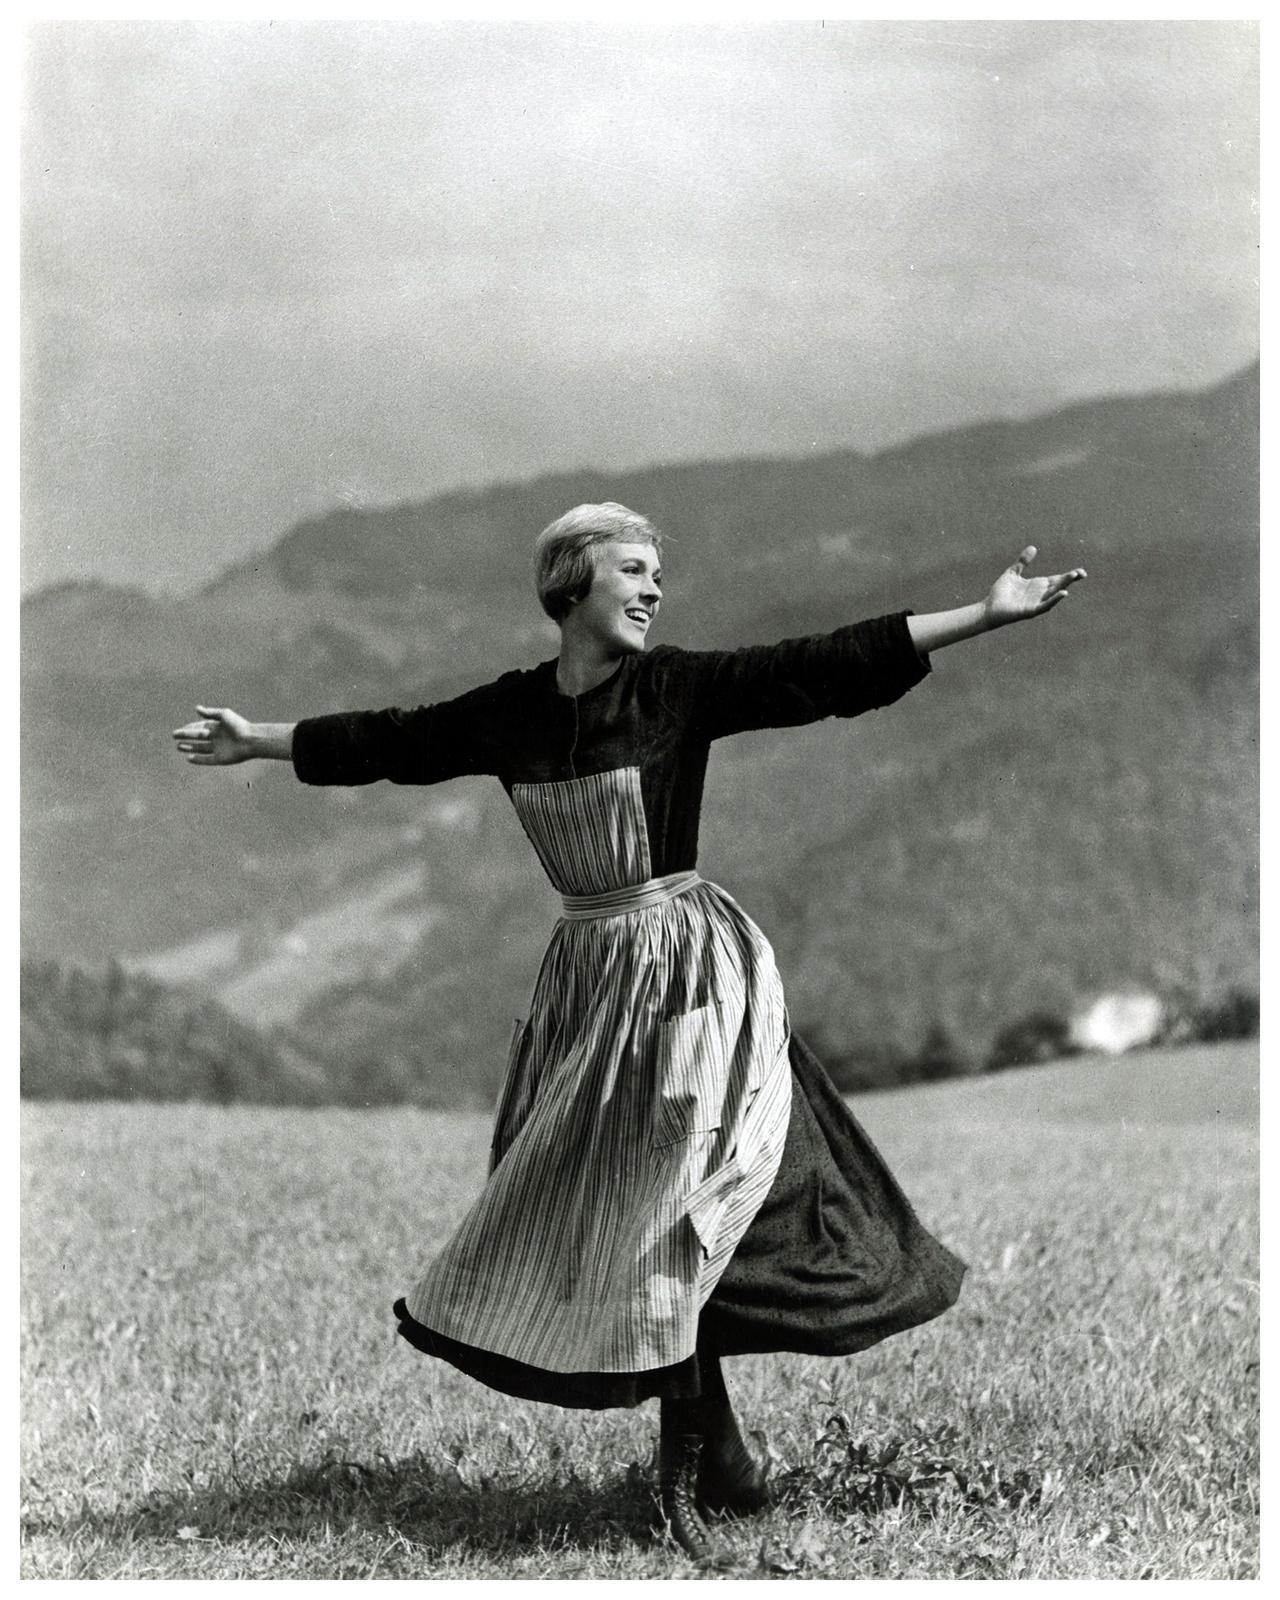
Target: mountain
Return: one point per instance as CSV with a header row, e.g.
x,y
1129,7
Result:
x,y
1062,809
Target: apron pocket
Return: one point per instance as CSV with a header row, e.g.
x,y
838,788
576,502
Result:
x,y
693,1070
706,1205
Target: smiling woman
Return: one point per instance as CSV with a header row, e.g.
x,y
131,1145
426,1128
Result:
x,y
673,1177
598,576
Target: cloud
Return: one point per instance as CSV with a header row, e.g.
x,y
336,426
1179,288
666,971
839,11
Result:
x,y
262,260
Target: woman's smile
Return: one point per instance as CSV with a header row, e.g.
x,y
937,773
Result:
x,y
625,593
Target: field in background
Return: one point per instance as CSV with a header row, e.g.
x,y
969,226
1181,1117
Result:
x,y
212,1387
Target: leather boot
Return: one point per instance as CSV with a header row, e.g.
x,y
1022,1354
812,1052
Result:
x,y
731,1482
679,1454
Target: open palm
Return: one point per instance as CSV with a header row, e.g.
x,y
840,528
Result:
x,y
219,739
1014,596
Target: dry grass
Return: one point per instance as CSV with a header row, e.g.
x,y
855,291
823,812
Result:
x,y
213,1388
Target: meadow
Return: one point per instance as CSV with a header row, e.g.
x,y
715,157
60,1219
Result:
x,y
213,1387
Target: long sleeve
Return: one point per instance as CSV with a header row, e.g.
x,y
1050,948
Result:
x,y
427,744
840,674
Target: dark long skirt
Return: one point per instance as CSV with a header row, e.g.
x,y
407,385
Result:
x,y
834,1261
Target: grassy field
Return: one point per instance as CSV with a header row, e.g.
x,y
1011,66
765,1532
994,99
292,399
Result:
x,y
213,1387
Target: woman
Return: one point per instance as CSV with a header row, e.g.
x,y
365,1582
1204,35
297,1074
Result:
x,y
673,1177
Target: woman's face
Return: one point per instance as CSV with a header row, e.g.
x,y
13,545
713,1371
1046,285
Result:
x,y
623,600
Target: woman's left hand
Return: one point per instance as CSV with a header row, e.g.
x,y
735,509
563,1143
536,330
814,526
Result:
x,y
1014,597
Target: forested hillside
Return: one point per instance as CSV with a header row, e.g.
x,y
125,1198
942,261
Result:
x,y
1059,811
110,1034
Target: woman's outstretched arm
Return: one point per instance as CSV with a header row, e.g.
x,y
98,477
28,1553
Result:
x,y
1013,598
223,737
423,744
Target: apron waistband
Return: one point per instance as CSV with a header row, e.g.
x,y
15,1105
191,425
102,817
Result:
x,y
635,897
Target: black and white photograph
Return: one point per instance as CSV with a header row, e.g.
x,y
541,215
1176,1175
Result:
x,y
639,917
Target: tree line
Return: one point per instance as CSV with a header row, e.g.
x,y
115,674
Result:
x,y
111,1034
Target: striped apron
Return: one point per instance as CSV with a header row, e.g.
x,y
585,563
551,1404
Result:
x,y
643,1114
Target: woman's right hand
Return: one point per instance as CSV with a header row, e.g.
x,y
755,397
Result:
x,y
220,739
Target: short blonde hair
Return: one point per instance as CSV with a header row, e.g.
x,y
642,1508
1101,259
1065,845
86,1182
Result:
x,y
563,564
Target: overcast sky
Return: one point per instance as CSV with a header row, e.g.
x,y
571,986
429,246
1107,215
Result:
x,y
274,268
